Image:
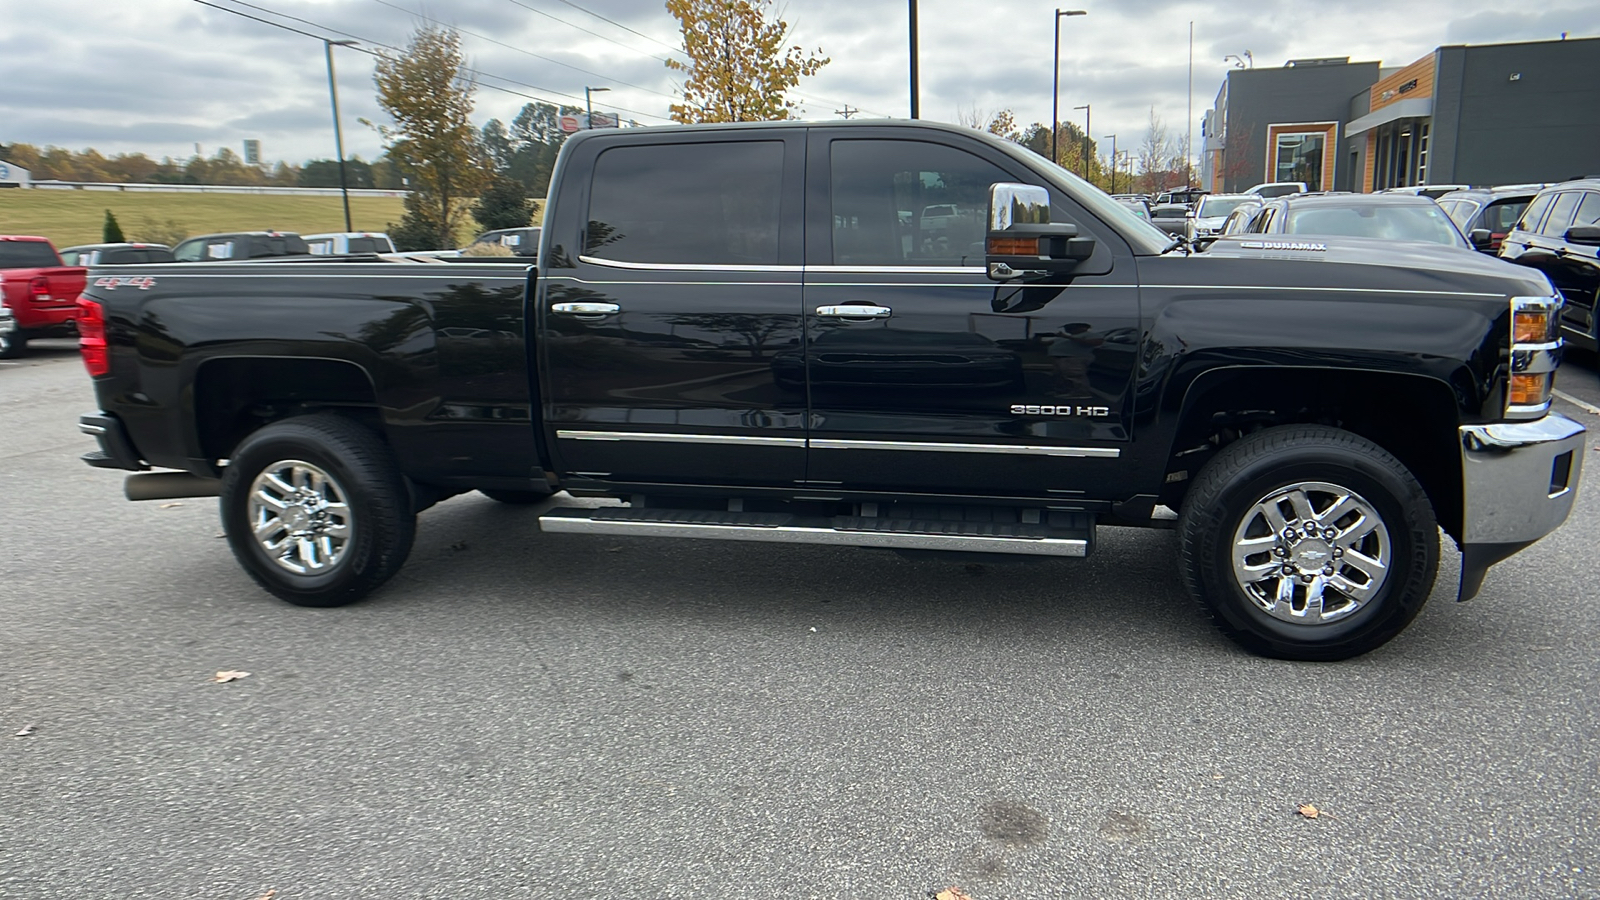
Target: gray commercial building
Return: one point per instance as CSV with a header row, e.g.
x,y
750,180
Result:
x,y
1477,114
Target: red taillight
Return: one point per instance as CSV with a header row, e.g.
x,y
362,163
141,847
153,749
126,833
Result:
x,y
92,337
40,289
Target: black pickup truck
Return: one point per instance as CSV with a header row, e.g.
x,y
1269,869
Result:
x,y
750,332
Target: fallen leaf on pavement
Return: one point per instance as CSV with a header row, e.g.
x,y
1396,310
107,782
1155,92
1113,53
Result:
x,y
225,677
26,730
268,895
1311,812
953,893
170,505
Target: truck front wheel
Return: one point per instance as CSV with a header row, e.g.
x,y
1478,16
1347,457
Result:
x,y
316,510
1309,543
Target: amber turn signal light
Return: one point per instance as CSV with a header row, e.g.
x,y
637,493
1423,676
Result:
x,y
1531,390
1013,246
1533,326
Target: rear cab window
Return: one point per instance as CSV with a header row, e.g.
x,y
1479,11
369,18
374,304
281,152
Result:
x,y
691,203
27,255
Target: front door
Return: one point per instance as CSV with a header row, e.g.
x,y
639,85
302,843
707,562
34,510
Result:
x,y
669,293
924,375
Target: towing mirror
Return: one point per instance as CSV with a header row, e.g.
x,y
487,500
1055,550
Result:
x,y
1022,242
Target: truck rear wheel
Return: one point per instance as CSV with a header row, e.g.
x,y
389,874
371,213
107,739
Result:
x,y
13,344
1309,543
316,510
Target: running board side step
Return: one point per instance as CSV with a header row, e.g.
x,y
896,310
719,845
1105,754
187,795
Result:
x,y
846,531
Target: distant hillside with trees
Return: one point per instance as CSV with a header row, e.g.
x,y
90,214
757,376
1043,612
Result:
x,y
223,167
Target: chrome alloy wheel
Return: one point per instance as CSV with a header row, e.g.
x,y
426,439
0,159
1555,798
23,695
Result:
x,y
1311,553
299,516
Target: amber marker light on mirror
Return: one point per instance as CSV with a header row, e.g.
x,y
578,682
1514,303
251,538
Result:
x,y
1013,246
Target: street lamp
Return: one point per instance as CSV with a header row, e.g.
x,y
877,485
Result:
x,y
338,135
1084,154
1055,78
589,104
1113,162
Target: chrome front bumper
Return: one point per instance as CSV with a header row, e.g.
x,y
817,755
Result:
x,y
1519,480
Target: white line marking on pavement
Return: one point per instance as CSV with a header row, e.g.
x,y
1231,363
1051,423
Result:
x,y
1588,407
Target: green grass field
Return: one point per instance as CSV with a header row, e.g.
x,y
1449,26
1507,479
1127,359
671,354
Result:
x,y
76,217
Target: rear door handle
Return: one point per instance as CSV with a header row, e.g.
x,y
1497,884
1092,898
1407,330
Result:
x,y
855,311
587,310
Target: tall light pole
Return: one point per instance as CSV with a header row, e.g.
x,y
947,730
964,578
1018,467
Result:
x,y
588,104
1083,153
915,113
1055,79
1113,162
338,134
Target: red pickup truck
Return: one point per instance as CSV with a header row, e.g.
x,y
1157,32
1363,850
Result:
x,y
40,292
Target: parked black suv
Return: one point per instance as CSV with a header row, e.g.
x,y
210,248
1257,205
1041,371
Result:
x,y
1559,234
1487,215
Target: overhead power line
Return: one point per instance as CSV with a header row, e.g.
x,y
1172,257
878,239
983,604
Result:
x,y
647,37
587,31
479,73
547,59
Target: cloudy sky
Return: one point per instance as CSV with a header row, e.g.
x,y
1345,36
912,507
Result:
x,y
160,76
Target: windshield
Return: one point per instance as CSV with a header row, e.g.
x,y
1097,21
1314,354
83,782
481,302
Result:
x,y
1216,207
1396,223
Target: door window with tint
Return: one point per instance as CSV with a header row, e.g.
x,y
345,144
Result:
x,y
1530,219
899,203
1555,224
697,204
1588,210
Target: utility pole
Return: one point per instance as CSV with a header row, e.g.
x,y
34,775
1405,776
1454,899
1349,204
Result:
x,y
915,113
1188,123
1083,153
847,112
588,104
1113,162
338,134
1055,81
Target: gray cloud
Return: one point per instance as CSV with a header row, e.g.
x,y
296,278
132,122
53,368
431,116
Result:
x,y
158,75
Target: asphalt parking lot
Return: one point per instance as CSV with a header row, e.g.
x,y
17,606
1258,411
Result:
x,y
529,715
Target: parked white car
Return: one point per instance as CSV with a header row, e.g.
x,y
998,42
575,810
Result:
x,y
339,243
8,327
1278,189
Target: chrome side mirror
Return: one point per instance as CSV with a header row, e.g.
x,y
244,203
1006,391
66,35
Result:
x,y
1021,241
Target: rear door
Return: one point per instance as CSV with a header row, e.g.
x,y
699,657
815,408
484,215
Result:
x,y
924,375
669,311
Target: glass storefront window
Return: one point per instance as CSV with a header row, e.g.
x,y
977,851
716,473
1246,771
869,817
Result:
x,y
1299,158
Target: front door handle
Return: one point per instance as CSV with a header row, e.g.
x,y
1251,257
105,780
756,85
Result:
x,y
589,310
855,311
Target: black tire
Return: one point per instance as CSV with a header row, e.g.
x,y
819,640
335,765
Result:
x,y
515,498
1237,484
13,344
377,518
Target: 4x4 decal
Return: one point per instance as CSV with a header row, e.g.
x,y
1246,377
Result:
x,y
142,282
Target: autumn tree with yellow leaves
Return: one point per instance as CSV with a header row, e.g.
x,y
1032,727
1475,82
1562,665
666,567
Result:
x,y
738,69
427,91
